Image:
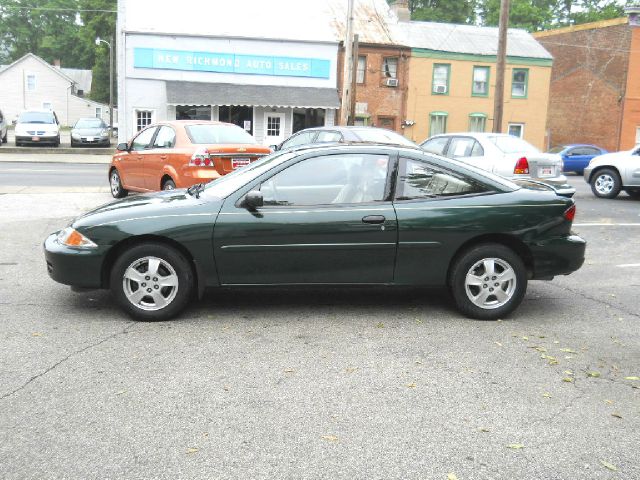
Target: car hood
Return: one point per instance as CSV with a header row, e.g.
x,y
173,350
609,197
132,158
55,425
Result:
x,y
88,131
158,205
609,158
40,127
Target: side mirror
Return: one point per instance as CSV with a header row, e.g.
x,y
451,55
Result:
x,y
253,200
274,148
123,147
14,121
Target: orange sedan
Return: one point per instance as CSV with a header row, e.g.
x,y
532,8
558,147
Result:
x,y
178,154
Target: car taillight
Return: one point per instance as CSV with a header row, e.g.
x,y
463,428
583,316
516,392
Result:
x,y
522,166
201,158
570,213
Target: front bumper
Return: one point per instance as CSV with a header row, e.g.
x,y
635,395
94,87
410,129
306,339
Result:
x,y
102,141
557,256
77,267
587,174
38,139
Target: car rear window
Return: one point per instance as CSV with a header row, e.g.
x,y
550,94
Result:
x,y
511,144
218,134
382,136
36,117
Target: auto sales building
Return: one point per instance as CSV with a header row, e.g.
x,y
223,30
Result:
x,y
225,65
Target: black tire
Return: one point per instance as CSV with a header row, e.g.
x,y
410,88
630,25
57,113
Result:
x,y
505,263
633,193
5,139
168,184
606,183
136,262
115,184
18,144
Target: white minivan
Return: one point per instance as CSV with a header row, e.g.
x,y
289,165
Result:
x,y
37,127
3,128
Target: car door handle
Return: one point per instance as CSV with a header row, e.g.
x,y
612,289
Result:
x,y
163,157
375,219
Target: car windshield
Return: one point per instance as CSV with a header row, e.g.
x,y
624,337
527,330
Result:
x,y
379,135
89,123
226,185
218,134
36,117
511,144
557,149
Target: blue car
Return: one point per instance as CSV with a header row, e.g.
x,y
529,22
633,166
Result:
x,y
577,156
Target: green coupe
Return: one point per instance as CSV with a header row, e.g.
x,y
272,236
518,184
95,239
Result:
x,y
325,215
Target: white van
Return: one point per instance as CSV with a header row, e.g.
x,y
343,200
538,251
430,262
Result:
x,y
37,127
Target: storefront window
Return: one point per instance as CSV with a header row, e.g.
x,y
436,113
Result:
x,y
238,115
189,112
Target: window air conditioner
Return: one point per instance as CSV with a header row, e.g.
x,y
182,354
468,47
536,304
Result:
x,y
391,82
441,89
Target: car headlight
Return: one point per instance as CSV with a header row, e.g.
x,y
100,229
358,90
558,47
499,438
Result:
x,y
104,133
72,238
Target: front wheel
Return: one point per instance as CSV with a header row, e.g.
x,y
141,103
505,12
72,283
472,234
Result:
x,y
117,190
488,281
168,185
152,281
606,183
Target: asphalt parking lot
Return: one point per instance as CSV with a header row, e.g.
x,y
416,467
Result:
x,y
320,383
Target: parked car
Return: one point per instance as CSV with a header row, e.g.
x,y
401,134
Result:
x,y
576,157
3,128
610,173
37,127
506,155
344,135
179,154
90,131
339,214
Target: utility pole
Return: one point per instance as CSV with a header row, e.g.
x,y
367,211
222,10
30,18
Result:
x,y
498,105
354,78
348,68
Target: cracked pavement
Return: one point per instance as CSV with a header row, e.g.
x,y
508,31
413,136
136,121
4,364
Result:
x,y
320,383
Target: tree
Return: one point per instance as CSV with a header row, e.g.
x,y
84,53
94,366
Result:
x,y
446,11
530,15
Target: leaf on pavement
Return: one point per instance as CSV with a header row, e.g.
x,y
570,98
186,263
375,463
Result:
x,y
484,429
593,374
411,385
609,465
567,379
452,476
121,392
515,446
192,450
330,438
616,414
546,395
567,350
289,370
632,378
380,325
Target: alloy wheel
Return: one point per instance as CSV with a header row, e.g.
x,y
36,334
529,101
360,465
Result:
x,y
604,184
150,283
490,283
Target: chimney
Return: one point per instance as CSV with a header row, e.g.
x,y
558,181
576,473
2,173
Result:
x,y
633,11
56,63
401,9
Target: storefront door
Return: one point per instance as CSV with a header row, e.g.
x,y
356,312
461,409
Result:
x,y
274,128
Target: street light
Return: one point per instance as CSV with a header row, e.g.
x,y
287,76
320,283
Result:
x,y
109,44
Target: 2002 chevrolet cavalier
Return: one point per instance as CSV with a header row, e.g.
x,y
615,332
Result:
x,y
348,214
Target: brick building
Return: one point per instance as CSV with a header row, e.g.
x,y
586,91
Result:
x,y
595,84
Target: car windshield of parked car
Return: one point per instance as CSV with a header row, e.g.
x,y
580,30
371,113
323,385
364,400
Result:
x,y
89,123
206,134
557,149
227,184
36,117
382,136
511,144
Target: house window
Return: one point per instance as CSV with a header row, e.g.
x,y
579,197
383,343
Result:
x,y
143,119
390,67
519,82
637,135
440,83
98,112
480,86
362,67
477,122
31,82
47,106
437,123
273,126
516,129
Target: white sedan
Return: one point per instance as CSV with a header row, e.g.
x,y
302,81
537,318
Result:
x,y
608,174
503,154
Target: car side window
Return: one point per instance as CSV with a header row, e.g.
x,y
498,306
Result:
x,y
328,179
166,138
420,180
143,139
299,139
464,147
435,145
590,151
328,136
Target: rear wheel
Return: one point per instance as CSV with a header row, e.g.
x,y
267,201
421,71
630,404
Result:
x,y
488,281
152,281
606,183
117,190
4,139
168,185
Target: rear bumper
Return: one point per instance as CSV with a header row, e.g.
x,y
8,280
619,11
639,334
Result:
x,y
72,266
557,256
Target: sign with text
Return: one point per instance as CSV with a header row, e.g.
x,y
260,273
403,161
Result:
x,y
230,63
